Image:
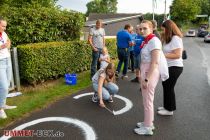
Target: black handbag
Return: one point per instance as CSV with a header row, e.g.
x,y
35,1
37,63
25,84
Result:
x,y
184,54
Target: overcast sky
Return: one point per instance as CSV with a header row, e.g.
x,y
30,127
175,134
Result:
x,y
124,6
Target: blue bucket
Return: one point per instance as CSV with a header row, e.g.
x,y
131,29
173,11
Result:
x,y
71,79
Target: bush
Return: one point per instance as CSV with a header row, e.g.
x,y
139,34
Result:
x,y
43,61
34,23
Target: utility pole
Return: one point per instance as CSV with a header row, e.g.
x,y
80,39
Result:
x,y
165,15
153,7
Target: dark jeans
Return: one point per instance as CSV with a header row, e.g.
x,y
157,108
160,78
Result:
x,y
131,60
95,62
123,58
169,100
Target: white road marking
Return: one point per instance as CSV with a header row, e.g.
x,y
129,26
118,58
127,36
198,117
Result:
x,y
128,103
86,129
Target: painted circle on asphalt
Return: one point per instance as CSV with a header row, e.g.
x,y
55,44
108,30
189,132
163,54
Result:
x,y
87,130
128,103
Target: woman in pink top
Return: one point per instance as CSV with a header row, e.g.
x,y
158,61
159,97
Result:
x,y
150,56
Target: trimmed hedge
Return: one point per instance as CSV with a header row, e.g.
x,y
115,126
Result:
x,y
43,61
34,23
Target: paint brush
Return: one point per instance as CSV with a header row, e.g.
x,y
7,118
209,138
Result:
x,y
109,110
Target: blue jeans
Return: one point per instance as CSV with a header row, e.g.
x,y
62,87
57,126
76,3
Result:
x,y
123,58
95,62
5,78
137,61
110,88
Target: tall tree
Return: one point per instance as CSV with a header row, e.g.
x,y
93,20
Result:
x,y
101,6
184,10
205,7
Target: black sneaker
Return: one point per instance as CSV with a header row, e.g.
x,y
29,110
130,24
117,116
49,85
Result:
x,y
95,98
136,80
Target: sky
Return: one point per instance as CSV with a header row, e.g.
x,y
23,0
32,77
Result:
x,y
124,6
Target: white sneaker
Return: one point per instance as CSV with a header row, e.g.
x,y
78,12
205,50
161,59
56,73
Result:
x,y
141,124
9,107
143,131
165,112
2,114
160,108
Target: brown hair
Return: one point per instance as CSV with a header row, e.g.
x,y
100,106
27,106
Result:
x,y
111,66
127,26
171,29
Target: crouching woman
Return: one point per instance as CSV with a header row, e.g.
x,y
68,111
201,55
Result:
x,y
104,85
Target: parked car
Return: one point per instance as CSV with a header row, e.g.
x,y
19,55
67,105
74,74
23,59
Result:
x,y
202,33
191,33
207,38
205,26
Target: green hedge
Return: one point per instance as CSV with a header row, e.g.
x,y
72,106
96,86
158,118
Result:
x,y
43,61
34,23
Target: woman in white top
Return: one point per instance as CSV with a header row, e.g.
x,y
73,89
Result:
x,y
5,68
150,57
172,48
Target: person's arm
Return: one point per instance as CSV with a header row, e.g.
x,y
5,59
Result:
x,y
100,85
108,59
90,41
175,54
104,39
154,65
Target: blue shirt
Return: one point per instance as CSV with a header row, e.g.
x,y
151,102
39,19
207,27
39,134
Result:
x,y
123,39
138,41
131,48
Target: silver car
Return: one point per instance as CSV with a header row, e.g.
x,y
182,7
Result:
x,y
207,38
191,33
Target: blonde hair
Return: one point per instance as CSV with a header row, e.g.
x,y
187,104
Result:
x,y
105,49
149,23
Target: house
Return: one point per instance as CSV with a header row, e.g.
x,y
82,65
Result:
x,y
112,23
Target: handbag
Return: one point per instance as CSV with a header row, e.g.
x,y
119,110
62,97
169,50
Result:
x,y
163,67
184,54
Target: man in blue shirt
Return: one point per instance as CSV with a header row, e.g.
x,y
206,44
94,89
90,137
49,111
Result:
x,y
137,54
124,41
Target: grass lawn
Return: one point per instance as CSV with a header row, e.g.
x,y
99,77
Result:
x,y
37,98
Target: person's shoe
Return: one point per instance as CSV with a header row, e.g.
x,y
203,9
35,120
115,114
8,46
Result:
x,y
110,100
165,112
2,114
144,131
95,98
136,80
9,107
160,108
117,74
141,124
125,77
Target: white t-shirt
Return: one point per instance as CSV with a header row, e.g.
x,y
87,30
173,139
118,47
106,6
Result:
x,y
97,36
4,53
175,43
104,64
153,44
100,72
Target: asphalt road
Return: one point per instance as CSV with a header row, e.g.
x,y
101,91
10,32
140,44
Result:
x,y
82,119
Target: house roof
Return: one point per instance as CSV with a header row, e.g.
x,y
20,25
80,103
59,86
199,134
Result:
x,y
110,18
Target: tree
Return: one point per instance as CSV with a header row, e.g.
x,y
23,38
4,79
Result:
x,y
101,6
205,7
185,10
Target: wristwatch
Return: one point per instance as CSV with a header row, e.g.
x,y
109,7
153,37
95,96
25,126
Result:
x,y
145,80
